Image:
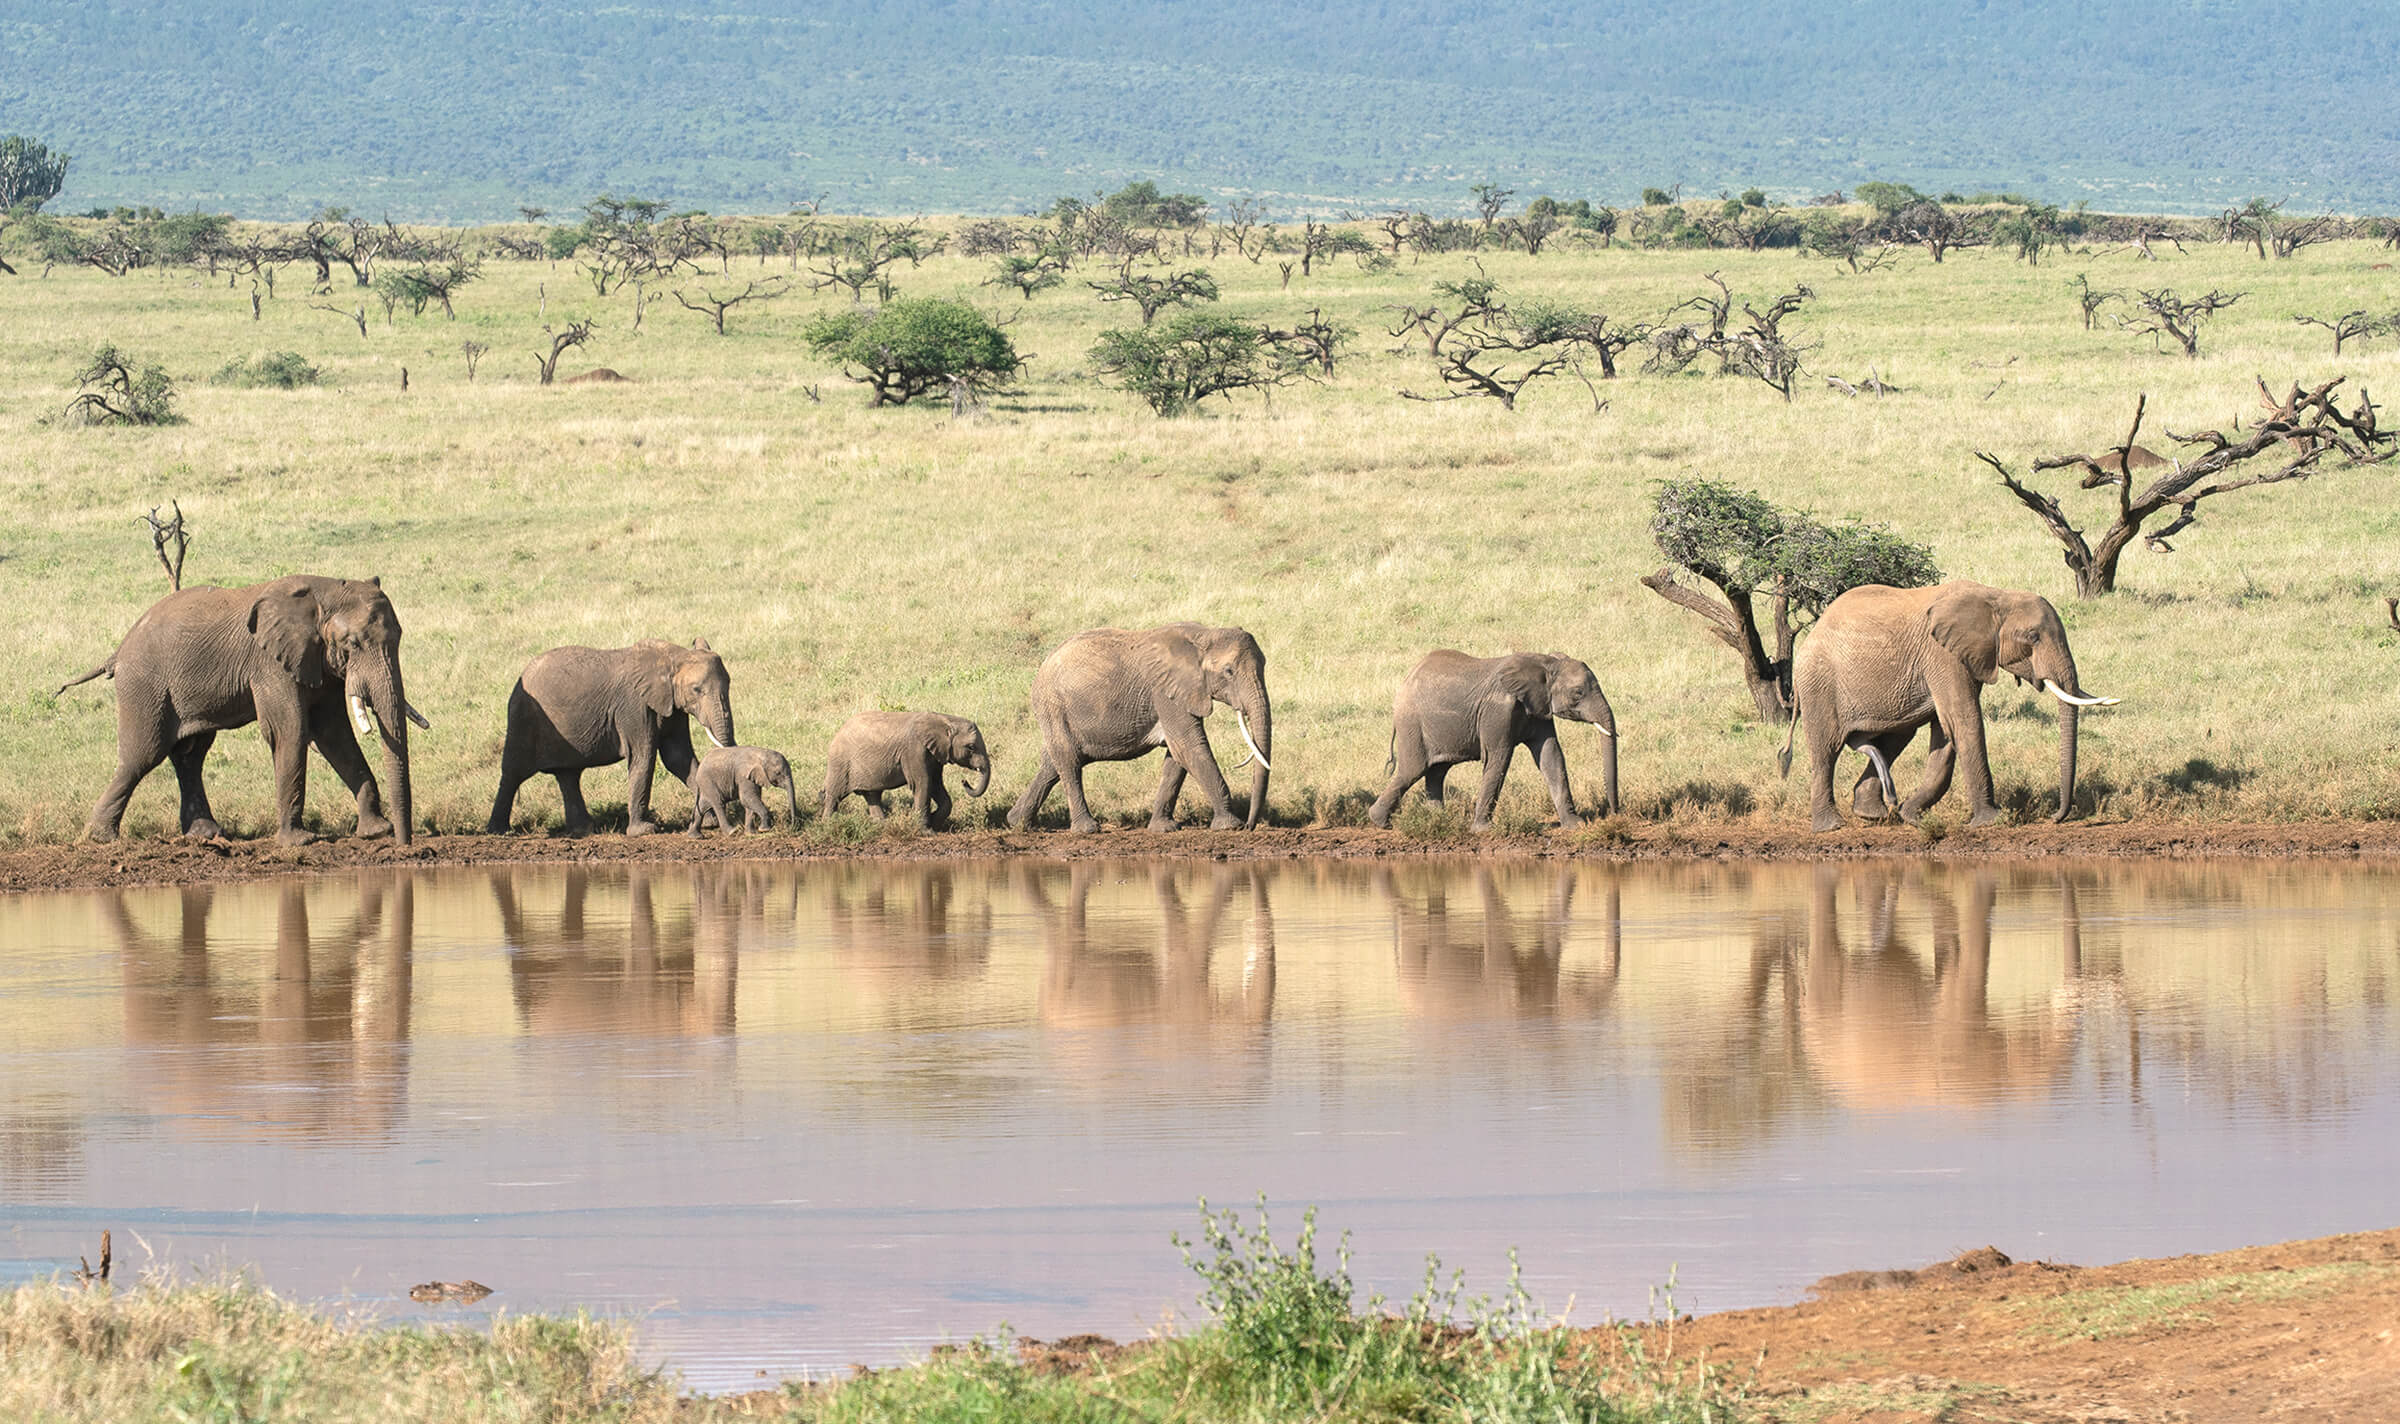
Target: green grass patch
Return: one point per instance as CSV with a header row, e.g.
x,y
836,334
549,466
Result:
x,y
2107,1312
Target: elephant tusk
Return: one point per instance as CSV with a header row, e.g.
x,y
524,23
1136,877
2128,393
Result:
x,y
1244,725
1605,732
358,717
409,709
2073,701
711,735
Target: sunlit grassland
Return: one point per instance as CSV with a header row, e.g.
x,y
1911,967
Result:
x,y
843,558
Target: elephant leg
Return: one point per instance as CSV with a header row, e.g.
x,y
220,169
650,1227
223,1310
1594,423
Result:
x,y
1873,796
570,792
189,755
1959,709
1552,758
288,746
1498,734
1437,780
1408,767
1170,788
1824,744
1070,781
1941,758
675,752
640,766
513,773
1495,772
330,724
1045,777
1188,745
754,810
937,802
875,806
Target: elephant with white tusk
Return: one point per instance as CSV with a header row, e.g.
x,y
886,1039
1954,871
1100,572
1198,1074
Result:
x,y
876,751
289,655
1884,661
1111,694
577,708
1453,708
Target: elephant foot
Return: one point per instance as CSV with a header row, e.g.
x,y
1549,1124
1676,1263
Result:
x,y
203,829
1825,820
1984,816
1569,821
1911,815
496,828
1084,825
576,830
371,827
1227,821
295,836
1017,822
641,828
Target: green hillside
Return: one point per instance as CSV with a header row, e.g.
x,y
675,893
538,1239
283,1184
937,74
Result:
x,y
272,108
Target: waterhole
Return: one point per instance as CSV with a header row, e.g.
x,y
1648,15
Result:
x,y
796,1117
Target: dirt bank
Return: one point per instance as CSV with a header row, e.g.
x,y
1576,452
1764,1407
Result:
x,y
2308,1330
175,862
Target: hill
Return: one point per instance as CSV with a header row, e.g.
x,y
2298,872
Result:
x,y
272,108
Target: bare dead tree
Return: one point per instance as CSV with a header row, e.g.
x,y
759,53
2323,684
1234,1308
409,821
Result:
x,y
164,533
2166,314
1762,351
561,342
1490,198
2286,236
2349,326
1312,341
714,307
2092,298
85,1276
1486,346
473,351
860,255
1245,226
2300,431
356,314
1938,229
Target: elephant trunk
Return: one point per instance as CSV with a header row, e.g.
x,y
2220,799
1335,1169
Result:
x,y
715,716
385,697
1608,760
791,788
1255,717
2068,716
979,767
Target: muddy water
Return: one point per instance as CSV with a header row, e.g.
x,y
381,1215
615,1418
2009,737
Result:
x,y
799,1117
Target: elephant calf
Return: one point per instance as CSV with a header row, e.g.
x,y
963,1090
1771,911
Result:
x,y
1455,708
731,775
877,751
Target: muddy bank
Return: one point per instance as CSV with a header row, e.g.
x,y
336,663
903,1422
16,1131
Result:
x,y
177,862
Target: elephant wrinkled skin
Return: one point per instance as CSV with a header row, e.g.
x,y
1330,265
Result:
x,y
738,776
877,751
1453,708
577,708
1113,694
304,657
1884,661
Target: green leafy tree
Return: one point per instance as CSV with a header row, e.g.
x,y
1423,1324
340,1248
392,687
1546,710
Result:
x,y
913,346
30,174
1748,549
1195,355
1140,204
120,389
1154,294
1889,198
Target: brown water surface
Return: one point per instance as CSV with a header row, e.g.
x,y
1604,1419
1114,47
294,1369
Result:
x,y
799,1116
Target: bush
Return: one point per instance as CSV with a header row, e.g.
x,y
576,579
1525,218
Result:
x,y
284,370
1656,198
915,345
1175,366
118,391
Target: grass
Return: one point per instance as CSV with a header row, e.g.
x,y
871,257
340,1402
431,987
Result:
x,y
2106,1312
842,558
1284,1341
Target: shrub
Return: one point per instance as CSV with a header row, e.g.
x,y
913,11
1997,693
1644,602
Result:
x,y
915,345
284,370
117,391
1193,356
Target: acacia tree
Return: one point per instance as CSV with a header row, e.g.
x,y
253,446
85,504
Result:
x,y
714,307
2092,298
2298,432
1485,345
561,342
1199,354
2163,313
915,346
2349,326
120,389
1748,549
1155,294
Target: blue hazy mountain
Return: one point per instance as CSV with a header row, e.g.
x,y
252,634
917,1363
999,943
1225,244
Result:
x,y
272,108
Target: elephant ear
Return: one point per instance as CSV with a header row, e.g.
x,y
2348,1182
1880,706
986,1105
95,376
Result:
x,y
1526,679
1966,622
655,680
1176,679
284,623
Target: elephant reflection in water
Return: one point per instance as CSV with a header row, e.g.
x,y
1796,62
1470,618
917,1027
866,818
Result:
x,y
1502,954
666,975
1883,1028
898,928
1111,971
335,983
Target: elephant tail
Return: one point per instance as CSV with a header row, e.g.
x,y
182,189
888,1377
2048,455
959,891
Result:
x,y
108,668
1783,759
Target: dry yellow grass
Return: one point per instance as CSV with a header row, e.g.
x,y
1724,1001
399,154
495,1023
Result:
x,y
842,558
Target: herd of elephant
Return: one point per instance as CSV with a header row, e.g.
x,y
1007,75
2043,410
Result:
x,y
316,661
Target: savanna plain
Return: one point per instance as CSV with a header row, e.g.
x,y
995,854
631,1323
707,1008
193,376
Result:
x,y
738,488
842,558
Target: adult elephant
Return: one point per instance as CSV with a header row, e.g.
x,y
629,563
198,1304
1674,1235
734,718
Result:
x,y
302,656
1884,661
1453,708
1111,694
577,708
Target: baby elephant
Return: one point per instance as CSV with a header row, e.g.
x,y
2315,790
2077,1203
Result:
x,y
1455,708
876,751
731,774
